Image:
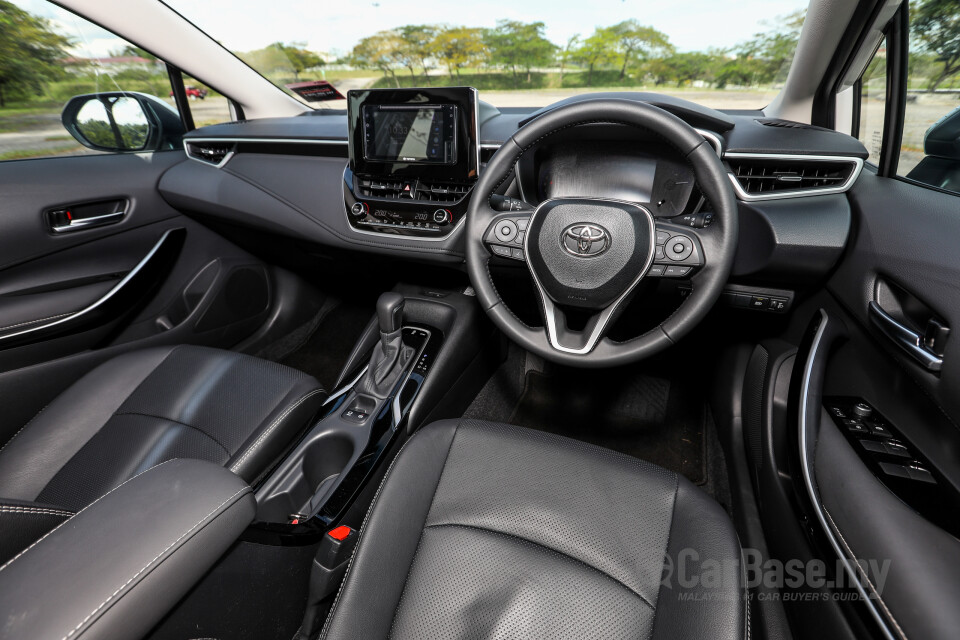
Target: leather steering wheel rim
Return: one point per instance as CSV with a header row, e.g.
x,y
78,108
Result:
x,y
718,241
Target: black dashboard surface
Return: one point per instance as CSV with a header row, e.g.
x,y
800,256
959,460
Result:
x,y
285,176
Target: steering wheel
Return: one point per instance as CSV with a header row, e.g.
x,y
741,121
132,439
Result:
x,y
591,253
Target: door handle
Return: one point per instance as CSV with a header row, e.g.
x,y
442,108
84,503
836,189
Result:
x,y
906,339
85,216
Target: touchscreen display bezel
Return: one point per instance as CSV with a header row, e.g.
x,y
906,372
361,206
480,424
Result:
x,y
465,164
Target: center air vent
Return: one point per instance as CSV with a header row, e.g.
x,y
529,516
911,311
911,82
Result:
x,y
762,178
211,152
441,192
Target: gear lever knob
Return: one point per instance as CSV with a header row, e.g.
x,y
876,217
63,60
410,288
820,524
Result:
x,y
390,312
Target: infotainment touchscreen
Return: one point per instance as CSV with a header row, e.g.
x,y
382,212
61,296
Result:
x,y
410,133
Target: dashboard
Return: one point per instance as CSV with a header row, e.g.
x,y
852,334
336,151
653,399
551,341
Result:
x,y
393,175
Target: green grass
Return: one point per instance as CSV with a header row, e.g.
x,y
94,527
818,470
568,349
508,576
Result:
x,y
24,154
57,138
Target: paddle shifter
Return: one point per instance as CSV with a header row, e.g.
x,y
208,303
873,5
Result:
x,y
390,356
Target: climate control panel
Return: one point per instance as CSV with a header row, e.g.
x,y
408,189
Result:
x,y
409,207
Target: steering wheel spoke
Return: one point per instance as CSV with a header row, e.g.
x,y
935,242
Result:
x,y
566,340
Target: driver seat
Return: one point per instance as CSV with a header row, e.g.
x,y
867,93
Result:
x,y
484,530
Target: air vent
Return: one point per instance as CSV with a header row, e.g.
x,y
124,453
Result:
x,y
789,124
211,152
779,177
443,192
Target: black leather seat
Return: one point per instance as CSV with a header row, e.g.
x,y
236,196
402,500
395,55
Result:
x,y
484,530
143,408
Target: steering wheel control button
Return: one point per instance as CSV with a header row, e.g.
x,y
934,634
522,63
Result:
x,y
660,256
504,252
662,237
358,209
676,272
679,248
522,223
656,270
516,254
506,230
519,238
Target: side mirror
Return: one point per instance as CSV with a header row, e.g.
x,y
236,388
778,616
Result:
x,y
123,122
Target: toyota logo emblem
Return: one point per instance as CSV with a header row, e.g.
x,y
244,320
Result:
x,y
585,240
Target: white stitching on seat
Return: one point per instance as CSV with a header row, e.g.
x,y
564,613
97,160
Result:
x,y
36,510
21,324
10,561
147,566
236,465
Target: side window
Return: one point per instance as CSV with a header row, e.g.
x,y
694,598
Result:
x,y
69,87
873,95
930,150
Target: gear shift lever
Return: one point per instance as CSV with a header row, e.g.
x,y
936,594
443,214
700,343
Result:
x,y
390,356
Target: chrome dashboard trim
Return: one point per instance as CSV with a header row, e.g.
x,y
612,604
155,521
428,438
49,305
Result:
x,y
803,193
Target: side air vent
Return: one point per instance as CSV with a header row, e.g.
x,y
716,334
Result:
x,y
769,177
441,192
211,152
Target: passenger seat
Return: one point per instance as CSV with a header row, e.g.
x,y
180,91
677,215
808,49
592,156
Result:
x,y
138,410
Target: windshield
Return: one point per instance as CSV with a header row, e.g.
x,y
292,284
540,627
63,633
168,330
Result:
x,y
732,55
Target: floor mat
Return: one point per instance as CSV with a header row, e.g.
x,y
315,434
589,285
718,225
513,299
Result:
x,y
645,416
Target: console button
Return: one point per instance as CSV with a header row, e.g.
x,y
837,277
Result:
x,y
676,272
679,248
358,209
506,230
500,251
759,302
777,304
441,216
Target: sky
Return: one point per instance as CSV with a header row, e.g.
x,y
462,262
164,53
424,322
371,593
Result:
x,y
334,27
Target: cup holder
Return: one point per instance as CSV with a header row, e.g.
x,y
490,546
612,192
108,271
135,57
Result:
x,y
307,477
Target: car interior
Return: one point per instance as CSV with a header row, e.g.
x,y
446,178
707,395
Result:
x,y
419,366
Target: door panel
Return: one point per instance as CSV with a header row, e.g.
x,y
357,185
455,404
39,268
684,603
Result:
x,y
205,290
884,480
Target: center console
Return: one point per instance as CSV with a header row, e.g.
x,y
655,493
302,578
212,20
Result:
x,y
414,158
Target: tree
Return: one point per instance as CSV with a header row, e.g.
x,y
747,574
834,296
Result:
x,y
416,48
31,53
299,57
459,47
137,52
687,67
567,54
769,53
635,40
598,49
515,44
379,51
935,27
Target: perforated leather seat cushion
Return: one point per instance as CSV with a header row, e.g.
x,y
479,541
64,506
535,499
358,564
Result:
x,y
146,407
486,530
